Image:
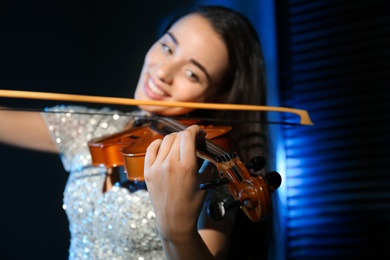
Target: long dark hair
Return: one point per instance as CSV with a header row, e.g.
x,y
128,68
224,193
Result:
x,y
245,81
243,84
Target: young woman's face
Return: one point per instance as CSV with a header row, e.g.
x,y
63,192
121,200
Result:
x,y
187,64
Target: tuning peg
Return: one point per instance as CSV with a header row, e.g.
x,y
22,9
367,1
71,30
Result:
x,y
256,164
273,179
217,210
214,183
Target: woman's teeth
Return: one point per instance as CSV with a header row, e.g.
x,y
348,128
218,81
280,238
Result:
x,y
155,89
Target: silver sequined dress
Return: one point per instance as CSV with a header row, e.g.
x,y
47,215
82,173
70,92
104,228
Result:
x,y
117,224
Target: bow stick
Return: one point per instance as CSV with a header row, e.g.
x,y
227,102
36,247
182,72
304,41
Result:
x,y
303,114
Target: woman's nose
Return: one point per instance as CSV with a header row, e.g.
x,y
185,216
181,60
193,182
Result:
x,y
166,72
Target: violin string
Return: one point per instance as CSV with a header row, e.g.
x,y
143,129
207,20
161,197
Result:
x,y
132,114
176,126
212,146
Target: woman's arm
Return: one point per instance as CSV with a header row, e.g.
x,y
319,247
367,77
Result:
x,y
172,178
25,129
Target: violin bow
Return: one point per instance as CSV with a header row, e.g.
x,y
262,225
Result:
x,y
303,114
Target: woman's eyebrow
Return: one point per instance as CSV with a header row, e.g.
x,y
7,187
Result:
x,y
197,64
173,38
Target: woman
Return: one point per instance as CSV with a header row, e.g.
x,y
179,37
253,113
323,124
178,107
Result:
x,y
208,54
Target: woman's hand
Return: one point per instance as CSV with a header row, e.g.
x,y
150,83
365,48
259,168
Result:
x,y
172,179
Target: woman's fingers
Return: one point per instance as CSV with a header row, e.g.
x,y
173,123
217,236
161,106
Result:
x,y
179,145
158,150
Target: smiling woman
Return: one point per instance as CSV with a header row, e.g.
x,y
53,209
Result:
x,y
175,71
112,217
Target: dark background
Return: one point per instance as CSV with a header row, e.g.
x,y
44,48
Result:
x,y
79,47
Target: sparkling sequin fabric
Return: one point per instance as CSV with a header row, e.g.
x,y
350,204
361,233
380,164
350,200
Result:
x,y
117,224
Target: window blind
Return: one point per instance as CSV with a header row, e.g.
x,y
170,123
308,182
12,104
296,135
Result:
x,y
334,61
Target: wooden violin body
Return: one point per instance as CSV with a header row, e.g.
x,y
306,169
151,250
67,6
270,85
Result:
x,y
128,149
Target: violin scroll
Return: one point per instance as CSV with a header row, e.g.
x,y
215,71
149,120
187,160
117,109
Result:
x,y
251,193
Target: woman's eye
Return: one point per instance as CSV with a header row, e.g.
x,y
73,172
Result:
x,y
190,74
166,48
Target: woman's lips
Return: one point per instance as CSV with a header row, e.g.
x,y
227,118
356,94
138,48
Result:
x,y
152,90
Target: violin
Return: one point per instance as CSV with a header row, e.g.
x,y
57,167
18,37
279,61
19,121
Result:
x,y
251,193
128,148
